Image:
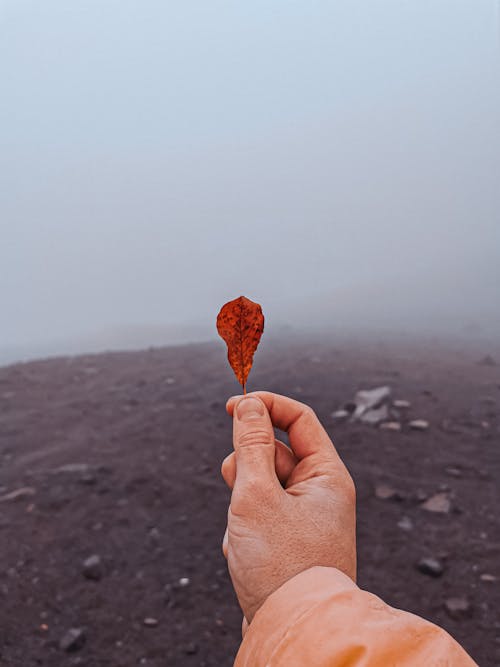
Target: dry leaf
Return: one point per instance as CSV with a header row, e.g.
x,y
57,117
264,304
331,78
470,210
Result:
x,y
241,323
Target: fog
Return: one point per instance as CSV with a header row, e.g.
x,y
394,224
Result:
x,y
338,162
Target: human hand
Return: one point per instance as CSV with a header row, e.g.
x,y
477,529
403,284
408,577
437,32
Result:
x,y
291,509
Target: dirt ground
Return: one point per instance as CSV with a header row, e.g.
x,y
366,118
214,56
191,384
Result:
x,y
118,455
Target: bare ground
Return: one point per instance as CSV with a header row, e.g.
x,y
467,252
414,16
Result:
x,y
145,433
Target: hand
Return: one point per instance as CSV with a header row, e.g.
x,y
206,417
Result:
x,y
291,509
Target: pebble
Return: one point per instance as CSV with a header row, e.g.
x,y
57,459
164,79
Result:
x,y
430,566
405,523
150,622
191,648
18,494
458,607
490,578
73,640
419,425
390,426
386,492
374,415
87,478
154,535
340,414
92,567
184,581
453,471
401,404
438,503
73,468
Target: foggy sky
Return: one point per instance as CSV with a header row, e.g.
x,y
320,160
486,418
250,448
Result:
x,y
332,160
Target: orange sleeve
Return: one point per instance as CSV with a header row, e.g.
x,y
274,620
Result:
x,y
320,618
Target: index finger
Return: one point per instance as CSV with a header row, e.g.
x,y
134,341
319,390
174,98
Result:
x,y
307,435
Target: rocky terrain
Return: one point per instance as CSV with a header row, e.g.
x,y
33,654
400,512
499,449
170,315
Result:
x,y
112,509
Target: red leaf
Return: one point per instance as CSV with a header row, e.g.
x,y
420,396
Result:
x,y
241,323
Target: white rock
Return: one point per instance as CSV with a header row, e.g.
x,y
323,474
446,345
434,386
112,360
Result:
x,y
375,415
405,523
438,503
391,426
367,399
18,494
419,425
340,414
401,404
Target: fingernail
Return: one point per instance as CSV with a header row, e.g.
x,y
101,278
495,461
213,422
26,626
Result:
x,y
249,408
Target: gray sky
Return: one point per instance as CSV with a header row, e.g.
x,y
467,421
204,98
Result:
x,y
338,159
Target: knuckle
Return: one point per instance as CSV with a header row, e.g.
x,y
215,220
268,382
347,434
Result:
x,y
350,490
255,437
224,465
309,411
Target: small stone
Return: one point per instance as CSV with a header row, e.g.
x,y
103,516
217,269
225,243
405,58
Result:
x,y
81,468
405,523
374,415
154,535
401,404
88,479
340,414
92,567
191,648
73,640
438,503
390,426
150,622
170,380
18,494
458,607
386,492
419,425
453,471
430,566
368,399
490,578
184,581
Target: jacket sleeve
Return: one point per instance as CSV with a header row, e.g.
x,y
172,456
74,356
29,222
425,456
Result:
x,y
320,618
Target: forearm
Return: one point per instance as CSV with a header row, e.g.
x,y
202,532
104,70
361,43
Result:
x,y
321,618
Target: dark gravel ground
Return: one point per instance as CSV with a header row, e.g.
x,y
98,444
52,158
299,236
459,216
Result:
x,y
144,433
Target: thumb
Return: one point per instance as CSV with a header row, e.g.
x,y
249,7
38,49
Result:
x,y
253,440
